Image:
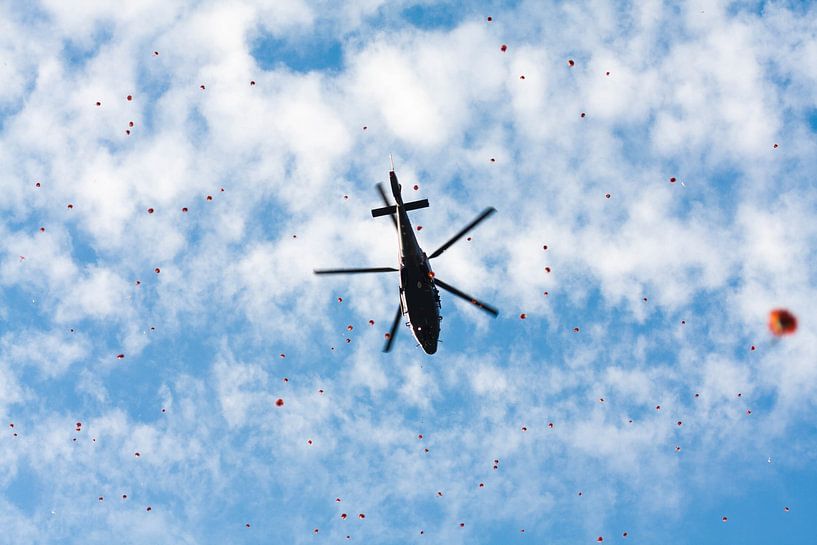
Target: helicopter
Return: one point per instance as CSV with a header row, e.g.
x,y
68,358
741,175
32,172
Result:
x,y
419,297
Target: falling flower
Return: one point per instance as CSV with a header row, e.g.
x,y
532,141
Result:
x,y
570,63
503,48
782,322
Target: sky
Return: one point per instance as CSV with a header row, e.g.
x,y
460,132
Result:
x,y
172,173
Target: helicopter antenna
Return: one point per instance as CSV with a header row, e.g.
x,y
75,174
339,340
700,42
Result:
x,y
391,160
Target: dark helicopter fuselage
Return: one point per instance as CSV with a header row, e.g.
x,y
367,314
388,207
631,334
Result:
x,y
419,297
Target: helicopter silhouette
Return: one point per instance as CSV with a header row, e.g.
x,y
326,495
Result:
x,y
419,297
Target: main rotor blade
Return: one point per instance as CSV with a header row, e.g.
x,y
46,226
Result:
x,y
386,202
484,306
395,324
354,271
485,213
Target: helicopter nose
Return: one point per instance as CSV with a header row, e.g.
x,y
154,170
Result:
x,y
430,347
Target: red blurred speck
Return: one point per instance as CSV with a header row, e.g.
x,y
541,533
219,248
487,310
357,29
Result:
x,y
547,269
545,247
419,227
775,146
184,209
149,508
155,53
522,77
137,454
130,123
607,73
252,82
70,206
724,519
343,516
570,63
349,327
493,160
524,428
624,534
37,184
361,516
309,441
247,525
672,180
489,18
98,103
658,407
157,270
209,197
279,402
340,299
503,48
120,356
387,335
371,322
753,348
786,509
748,411
607,195
462,525
680,423
523,316
201,87
550,425
468,239
346,197
282,355
150,210
338,500
420,436
575,330
583,114
416,187
130,97
683,322
599,538
42,229
315,531
482,485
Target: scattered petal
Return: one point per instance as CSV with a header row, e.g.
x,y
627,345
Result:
x,y
279,402
570,63
782,322
523,316
503,48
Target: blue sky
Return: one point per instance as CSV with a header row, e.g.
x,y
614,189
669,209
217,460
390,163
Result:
x,y
670,284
